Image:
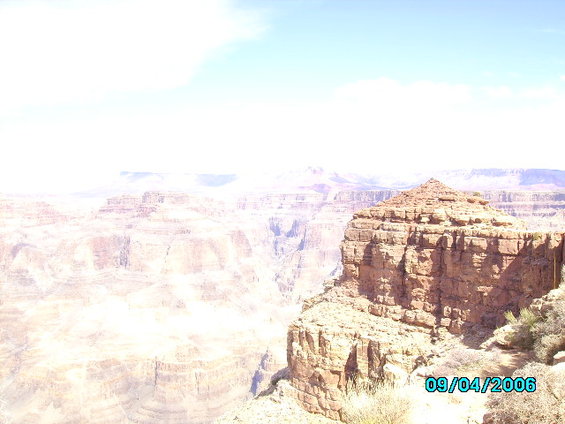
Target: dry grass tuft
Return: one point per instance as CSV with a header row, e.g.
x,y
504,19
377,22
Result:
x,y
462,362
376,403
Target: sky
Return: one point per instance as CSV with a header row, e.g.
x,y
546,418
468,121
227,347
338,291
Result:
x,y
89,88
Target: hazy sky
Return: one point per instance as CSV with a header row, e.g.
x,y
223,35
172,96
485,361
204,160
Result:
x,y
93,87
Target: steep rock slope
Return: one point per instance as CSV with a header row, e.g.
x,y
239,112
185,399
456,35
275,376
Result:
x,y
428,259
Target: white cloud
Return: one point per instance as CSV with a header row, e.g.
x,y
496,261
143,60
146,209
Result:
x,y
391,93
500,92
532,93
69,52
562,77
548,93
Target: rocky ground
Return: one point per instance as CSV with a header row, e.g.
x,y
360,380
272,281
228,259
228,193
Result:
x,y
452,356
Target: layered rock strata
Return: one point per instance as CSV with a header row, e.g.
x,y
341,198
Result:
x,y
541,210
427,259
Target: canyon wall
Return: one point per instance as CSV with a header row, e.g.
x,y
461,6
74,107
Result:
x,y
154,308
540,210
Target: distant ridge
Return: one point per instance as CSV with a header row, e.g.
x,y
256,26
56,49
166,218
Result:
x,y
327,182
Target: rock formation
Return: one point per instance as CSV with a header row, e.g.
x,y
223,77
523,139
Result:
x,y
431,258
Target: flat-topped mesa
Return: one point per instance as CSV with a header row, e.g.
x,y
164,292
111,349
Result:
x,y
436,256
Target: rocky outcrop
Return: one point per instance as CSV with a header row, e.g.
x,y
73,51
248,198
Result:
x,y
431,258
434,256
333,344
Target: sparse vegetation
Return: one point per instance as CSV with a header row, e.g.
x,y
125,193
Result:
x,y
461,362
477,193
544,406
370,402
549,334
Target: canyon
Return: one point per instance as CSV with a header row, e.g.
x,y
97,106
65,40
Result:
x,y
169,306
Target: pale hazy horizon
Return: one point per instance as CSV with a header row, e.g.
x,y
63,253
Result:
x,y
92,88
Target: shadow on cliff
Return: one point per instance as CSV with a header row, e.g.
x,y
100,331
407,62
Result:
x,y
532,273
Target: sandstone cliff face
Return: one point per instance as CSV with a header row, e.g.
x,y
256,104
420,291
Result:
x,y
446,258
427,259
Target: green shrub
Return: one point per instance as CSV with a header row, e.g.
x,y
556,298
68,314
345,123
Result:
x,y
544,406
528,318
510,318
376,403
524,326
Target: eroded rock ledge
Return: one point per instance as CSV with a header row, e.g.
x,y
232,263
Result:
x,y
431,258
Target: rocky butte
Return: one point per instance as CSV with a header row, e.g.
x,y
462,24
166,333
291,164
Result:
x,y
426,262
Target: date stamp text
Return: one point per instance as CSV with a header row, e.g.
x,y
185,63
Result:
x,y
492,384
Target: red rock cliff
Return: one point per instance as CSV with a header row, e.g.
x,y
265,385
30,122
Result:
x,y
430,257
